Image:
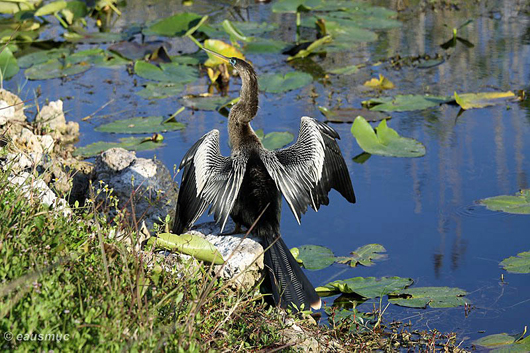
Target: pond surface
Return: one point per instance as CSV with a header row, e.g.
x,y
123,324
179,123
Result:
x,y
422,210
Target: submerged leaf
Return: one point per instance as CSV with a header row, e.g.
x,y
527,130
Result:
x,y
42,56
204,103
518,204
128,143
386,142
364,255
55,68
403,103
278,83
517,264
503,342
369,287
348,115
481,100
140,125
496,340
160,90
435,297
167,72
189,244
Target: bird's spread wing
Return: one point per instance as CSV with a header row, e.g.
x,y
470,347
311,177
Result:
x,y
306,171
208,178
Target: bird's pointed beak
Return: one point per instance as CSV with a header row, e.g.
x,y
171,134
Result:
x,y
220,56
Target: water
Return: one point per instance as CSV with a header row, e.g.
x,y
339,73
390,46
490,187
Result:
x,y
422,210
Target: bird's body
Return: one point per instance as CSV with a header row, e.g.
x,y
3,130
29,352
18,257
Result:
x,y
252,181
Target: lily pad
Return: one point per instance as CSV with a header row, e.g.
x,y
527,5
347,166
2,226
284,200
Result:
x,y
404,103
94,37
140,125
381,83
503,342
314,257
160,90
278,83
517,264
176,25
204,103
363,255
294,5
167,72
275,140
136,51
42,56
518,204
265,45
222,48
348,115
369,287
386,142
189,244
8,64
55,68
481,100
128,143
435,297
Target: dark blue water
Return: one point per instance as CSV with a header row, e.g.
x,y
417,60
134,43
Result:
x,y
421,210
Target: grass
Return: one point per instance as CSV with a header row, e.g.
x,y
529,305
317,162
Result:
x,y
68,284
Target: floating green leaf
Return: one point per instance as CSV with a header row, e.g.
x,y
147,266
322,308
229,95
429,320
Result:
x,y
314,257
517,264
403,103
160,90
435,297
128,143
204,103
189,244
278,83
294,5
518,204
167,72
140,125
264,45
275,140
481,100
42,56
348,115
8,64
94,37
503,342
363,255
386,142
369,287
55,68
176,25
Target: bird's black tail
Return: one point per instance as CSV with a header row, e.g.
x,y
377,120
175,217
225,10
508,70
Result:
x,y
289,285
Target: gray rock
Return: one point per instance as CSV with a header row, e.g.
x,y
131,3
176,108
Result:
x,y
12,108
51,118
145,183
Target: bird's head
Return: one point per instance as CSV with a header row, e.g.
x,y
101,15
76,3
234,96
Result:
x,y
240,65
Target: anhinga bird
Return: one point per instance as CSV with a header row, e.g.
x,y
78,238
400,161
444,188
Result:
x,y
253,179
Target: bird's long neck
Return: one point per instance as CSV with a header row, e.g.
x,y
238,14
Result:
x,y
244,111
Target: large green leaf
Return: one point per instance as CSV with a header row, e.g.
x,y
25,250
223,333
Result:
x,y
369,287
204,103
481,100
160,90
364,255
503,342
167,72
8,64
94,37
278,83
403,103
140,125
294,5
386,142
314,257
265,46
435,297
128,143
41,56
176,25
517,264
189,244
275,140
518,204
55,68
